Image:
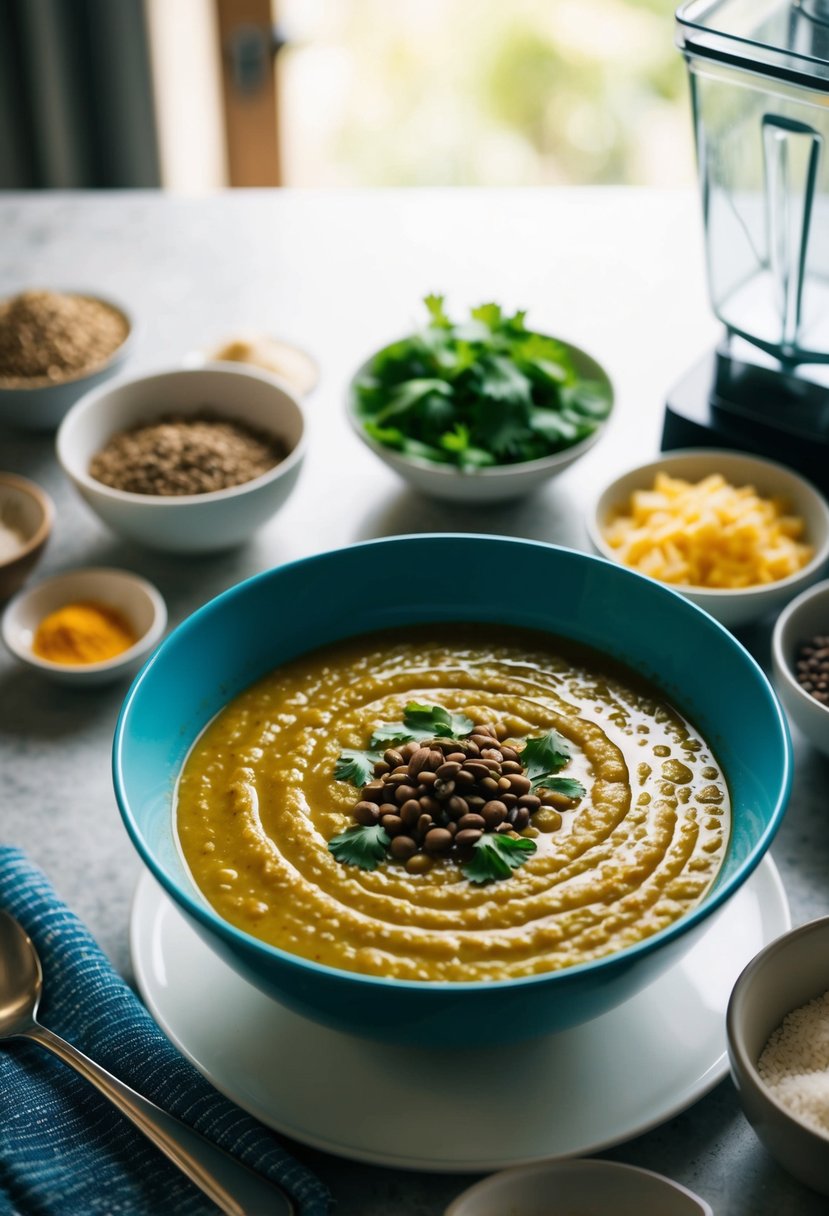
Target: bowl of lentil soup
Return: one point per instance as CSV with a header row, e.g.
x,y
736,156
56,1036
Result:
x,y
192,460
800,663
315,712
55,346
736,534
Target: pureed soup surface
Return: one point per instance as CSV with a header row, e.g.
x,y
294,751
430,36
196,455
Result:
x,y
257,804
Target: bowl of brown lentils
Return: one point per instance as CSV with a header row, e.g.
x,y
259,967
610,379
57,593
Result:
x,y
800,659
192,460
54,347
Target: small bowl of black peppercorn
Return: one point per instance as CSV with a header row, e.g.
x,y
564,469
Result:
x,y
800,658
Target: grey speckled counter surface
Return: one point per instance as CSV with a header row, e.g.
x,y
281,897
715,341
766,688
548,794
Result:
x,y
618,272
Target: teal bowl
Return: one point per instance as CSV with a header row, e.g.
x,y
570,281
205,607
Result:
x,y
279,614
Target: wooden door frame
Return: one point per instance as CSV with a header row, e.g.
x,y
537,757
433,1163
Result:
x,y
248,46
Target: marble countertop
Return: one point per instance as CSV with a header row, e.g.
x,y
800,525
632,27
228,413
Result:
x,y
619,272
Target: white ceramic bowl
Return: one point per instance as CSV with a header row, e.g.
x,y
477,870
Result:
x,y
192,523
134,598
738,607
28,511
804,618
39,406
588,1188
488,485
787,974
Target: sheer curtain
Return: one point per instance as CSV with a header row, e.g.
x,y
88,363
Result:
x,y
76,100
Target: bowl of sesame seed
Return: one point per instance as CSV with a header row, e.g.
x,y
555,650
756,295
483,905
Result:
x,y
800,661
191,460
54,347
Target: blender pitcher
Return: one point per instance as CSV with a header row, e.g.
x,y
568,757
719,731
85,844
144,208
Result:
x,y
759,76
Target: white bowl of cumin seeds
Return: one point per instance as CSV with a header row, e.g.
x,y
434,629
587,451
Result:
x,y
54,347
192,460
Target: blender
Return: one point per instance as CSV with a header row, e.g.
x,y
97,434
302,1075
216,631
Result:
x,y
759,77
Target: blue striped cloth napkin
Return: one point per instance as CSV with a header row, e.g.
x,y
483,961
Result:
x,y
64,1151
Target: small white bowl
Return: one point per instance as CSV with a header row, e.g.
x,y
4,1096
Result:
x,y
28,511
134,598
801,620
589,1187
730,607
41,405
191,523
786,975
501,483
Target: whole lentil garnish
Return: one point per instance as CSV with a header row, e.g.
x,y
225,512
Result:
x,y
414,796
193,454
812,667
48,336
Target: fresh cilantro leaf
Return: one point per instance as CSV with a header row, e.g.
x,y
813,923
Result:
x,y
489,314
456,440
390,732
589,397
544,756
561,785
362,846
554,427
356,766
413,393
496,855
435,721
437,313
423,451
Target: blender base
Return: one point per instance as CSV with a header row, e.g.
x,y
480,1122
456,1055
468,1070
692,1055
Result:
x,y
767,409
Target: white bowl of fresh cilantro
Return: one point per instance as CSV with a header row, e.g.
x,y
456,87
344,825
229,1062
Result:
x,y
481,410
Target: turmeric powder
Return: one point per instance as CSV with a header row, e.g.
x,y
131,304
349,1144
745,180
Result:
x,y
85,632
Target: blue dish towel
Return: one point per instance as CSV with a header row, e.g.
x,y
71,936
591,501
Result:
x,y
64,1150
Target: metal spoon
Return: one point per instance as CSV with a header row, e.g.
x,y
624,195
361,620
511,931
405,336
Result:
x,y
236,1189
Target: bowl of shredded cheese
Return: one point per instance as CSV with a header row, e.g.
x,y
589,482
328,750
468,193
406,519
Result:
x,y
736,534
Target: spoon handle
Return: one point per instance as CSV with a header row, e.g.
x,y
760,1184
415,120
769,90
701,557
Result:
x,y
234,1188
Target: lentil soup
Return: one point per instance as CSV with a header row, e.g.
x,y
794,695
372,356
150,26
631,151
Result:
x,y
257,805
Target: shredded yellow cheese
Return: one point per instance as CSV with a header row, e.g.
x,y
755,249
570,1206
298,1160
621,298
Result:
x,y
711,534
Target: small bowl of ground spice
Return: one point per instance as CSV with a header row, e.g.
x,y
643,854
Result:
x,y
86,626
55,346
800,660
26,516
193,460
778,1044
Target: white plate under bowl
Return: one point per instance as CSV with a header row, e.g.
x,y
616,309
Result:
x,y
567,1094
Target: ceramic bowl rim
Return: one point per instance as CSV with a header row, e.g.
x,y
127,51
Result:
x,y
44,528
782,663
199,909
139,647
733,1019
87,373
713,594
91,400
494,474
565,1164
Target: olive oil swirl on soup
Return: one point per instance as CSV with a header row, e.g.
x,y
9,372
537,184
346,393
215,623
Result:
x,y
257,804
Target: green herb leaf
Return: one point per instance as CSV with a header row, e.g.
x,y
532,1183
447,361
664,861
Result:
x,y
496,856
544,756
361,846
356,766
434,720
561,785
390,732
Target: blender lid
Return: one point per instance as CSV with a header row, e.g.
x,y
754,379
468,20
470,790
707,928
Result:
x,y
785,39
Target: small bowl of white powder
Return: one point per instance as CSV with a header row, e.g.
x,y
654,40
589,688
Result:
x,y
778,1044
26,517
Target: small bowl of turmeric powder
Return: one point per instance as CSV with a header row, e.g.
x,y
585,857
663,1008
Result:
x,y
86,626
